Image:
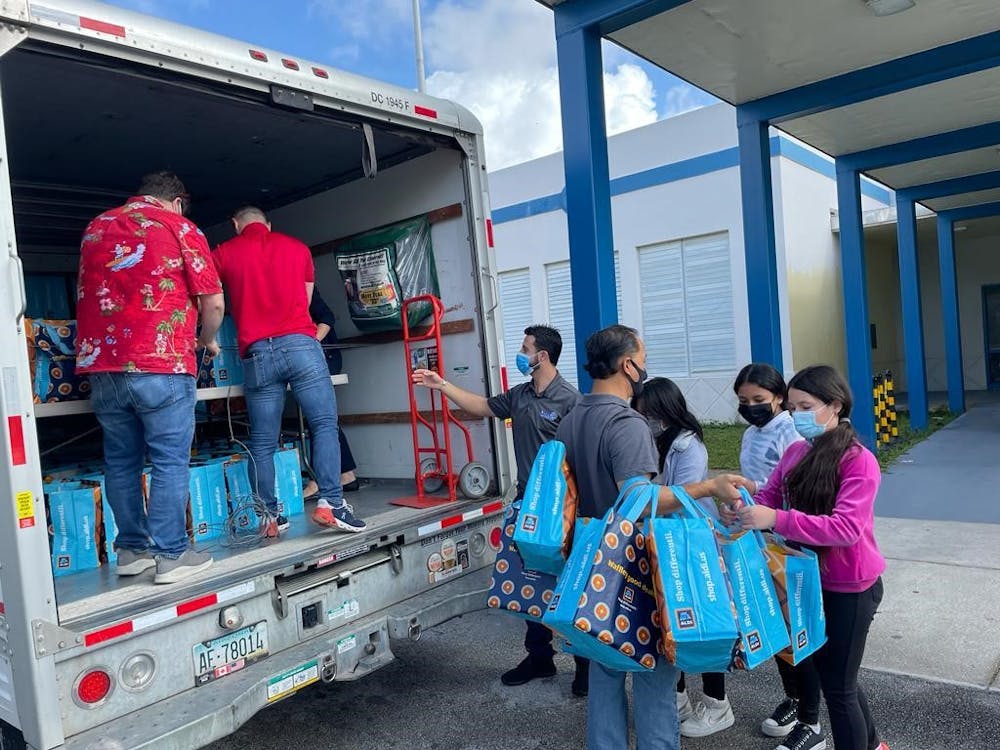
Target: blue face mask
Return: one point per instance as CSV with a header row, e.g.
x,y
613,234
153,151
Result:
x,y
524,366
806,425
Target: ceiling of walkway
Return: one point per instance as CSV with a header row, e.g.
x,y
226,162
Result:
x,y
745,52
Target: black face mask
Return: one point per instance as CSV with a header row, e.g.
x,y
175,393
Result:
x,y
756,414
637,385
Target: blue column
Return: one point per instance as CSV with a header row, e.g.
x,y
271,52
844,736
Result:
x,y
758,241
588,192
855,279
949,314
913,324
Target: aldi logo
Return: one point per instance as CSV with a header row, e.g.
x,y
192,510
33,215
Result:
x,y
685,619
802,640
628,595
529,523
753,641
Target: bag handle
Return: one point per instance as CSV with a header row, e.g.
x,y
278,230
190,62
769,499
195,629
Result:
x,y
634,497
758,534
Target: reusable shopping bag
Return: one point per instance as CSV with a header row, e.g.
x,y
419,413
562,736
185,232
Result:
x,y
696,613
606,606
758,610
514,588
544,529
796,580
75,512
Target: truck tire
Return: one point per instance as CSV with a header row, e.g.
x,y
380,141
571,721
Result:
x,y
10,738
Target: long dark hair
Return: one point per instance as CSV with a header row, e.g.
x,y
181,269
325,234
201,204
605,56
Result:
x,y
662,399
813,484
764,376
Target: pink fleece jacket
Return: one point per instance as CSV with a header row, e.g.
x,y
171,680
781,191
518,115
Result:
x,y
849,557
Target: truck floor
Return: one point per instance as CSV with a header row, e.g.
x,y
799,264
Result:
x,y
99,596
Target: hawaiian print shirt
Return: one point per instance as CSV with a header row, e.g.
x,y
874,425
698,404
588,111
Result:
x,y
140,268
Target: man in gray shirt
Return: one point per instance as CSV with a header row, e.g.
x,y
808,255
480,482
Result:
x,y
608,443
535,409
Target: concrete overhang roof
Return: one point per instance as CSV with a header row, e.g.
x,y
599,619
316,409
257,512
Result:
x,y
910,99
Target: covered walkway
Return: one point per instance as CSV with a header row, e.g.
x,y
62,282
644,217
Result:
x,y
951,476
904,91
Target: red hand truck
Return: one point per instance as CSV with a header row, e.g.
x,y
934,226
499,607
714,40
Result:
x,y
434,466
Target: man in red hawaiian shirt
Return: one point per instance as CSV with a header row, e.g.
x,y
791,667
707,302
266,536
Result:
x,y
145,273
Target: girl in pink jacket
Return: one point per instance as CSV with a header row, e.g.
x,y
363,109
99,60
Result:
x,y
822,496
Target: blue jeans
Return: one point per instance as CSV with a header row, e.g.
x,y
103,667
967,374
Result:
x,y
655,695
271,365
141,412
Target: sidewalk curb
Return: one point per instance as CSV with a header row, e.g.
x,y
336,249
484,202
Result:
x,y
993,687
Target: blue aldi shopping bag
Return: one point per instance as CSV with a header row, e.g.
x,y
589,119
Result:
x,y
514,588
695,607
797,582
544,529
606,606
758,610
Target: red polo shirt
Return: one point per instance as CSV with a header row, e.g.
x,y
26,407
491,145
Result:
x,y
265,275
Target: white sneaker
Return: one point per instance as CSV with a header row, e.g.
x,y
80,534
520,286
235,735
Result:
x,y
685,710
710,716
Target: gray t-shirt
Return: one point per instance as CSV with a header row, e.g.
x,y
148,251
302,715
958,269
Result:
x,y
606,442
534,418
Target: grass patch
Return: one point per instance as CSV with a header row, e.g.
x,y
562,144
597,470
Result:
x,y
722,440
938,418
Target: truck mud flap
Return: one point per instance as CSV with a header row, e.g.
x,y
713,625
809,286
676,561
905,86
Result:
x,y
409,619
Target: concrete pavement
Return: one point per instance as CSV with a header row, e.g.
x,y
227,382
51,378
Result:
x,y
931,667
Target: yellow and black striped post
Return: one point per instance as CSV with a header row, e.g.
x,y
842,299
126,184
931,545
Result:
x,y
890,400
884,398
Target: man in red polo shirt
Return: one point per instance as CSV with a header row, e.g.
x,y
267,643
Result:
x,y
269,278
145,272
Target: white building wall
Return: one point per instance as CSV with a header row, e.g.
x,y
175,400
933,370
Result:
x,y
807,250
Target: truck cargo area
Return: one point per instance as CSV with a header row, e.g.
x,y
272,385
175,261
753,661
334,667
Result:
x,y
81,130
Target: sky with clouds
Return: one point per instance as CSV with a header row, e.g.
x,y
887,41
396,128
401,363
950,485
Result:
x,y
496,57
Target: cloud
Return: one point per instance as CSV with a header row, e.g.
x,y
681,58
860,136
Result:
x,y
366,20
498,59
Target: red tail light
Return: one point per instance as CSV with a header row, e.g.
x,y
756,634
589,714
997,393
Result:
x,y
495,538
93,687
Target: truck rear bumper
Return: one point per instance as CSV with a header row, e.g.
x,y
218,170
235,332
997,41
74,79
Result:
x,y
200,716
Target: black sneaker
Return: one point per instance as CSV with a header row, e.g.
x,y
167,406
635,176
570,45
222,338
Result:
x,y
802,737
283,523
529,669
781,721
581,680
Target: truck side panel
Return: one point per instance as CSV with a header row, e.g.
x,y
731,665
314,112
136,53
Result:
x,y
26,591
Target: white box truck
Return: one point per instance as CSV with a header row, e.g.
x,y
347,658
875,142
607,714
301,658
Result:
x,y
91,98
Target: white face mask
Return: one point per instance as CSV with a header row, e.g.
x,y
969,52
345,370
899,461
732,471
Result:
x,y
656,427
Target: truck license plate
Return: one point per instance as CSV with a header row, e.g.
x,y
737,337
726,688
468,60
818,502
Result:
x,y
229,653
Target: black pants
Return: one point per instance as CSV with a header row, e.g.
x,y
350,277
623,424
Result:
x,y
801,682
713,684
538,642
848,618
346,457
